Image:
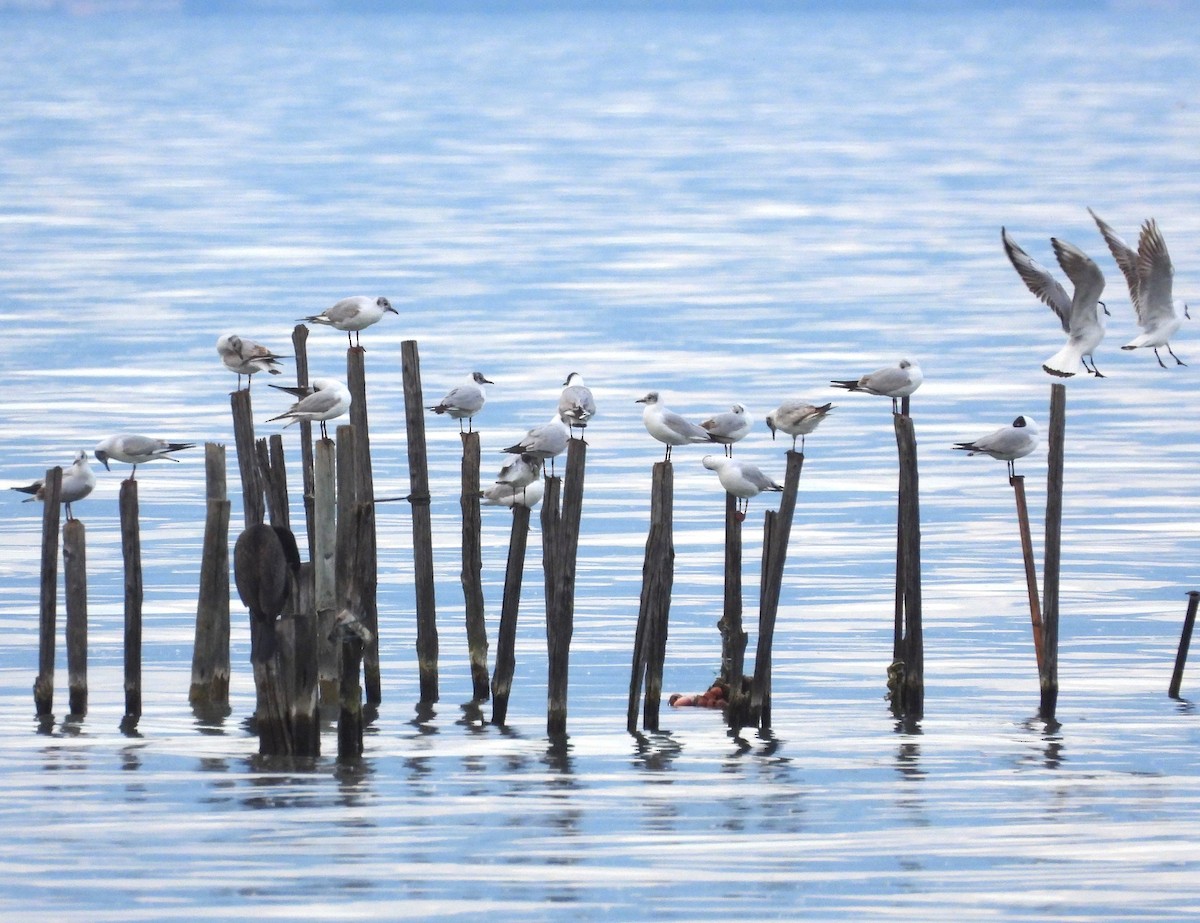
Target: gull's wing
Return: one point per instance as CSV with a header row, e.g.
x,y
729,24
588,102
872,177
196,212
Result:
x,y
1038,280
1155,273
1087,278
1124,256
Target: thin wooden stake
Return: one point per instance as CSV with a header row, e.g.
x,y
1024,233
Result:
x,y
43,686
1185,640
658,575
254,508
368,611
131,553
325,567
472,567
422,524
1031,584
506,639
75,576
1048,673
209,691
300,347
560,617
911,699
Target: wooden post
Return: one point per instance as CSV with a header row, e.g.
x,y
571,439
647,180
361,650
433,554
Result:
x,y
305,714
253,505
1048,674
658,575
325,568
75,576
350,723
1031,584
418,473
733,634
273,472
777,530
131,553
347,528
911,699
1185,640
300,347
560,616
472,567
43,686
368,611
506,639
209,692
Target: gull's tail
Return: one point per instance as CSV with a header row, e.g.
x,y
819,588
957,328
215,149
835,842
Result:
x,y
1066,363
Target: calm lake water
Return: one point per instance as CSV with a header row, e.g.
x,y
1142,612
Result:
x,y
726,208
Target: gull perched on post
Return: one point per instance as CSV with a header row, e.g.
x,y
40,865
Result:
x,y
137,450
1079,314
894,381
544,441
353,314
667,426
246,357
77,482
463,401
576,405
1148,273
328,399
797,418
741,479
1007,444
728,427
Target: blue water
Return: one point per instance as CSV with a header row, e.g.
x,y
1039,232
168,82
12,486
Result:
x,y
723,206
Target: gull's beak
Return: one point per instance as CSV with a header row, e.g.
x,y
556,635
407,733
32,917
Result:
x,y
1105,307
1185,312
102,457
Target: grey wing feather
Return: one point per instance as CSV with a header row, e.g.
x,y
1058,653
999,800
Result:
x,y
1039,281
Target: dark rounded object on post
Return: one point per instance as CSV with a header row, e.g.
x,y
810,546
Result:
x,y
265,561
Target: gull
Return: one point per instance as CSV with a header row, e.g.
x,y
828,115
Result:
x,y
894,381
576,405
77,483
1148,272
463,401
741,479
544,441
667,426
728,428
520,474
246,357
1007,444
1080,314
329,399
797,418
137,450
353,314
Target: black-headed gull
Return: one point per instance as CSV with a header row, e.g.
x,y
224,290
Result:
x,y
1007,444
246,357
575,404
517,482
667,426
1080,314
1149,273
894,381
741,479
728,427
463,401
77,482
797,418
137,450
353,315
544,441
329,399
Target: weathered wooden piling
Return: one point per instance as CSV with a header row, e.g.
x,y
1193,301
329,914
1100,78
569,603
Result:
x,y
253,504
302,621
347,527
658,576
131,554
422,525
300,349
506,637
560,608
471,576
733,634
1185,641
209,690
325,568
908,696
272,472
1031,584
43,685
368,611
75,578
777,530
1048,673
